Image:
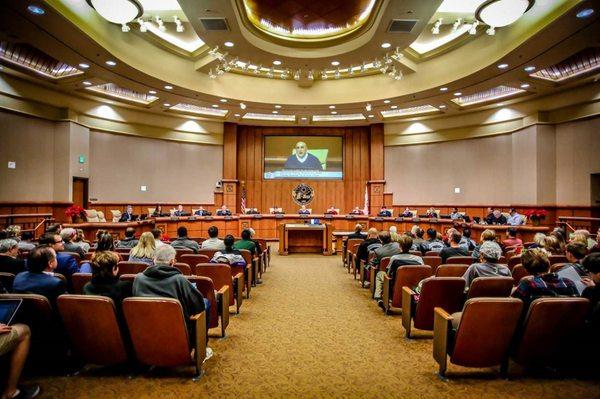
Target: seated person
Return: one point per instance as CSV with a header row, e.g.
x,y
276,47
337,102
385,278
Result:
x,y
246,242
23,239
512,239
552,245
129,241
454,215
488,265
14,343
576,252
590,242
454,249
496,218
214,242
67,264
202,212
384,212
541,283
431,213
467,242
394,233
68,235
486,235
591,263
303,210
357,232
331,211
407,213
433,242
387,249
9,250
105,280
128,215
229,255
302,159
183,241
275,210
251,211
357,211
157,234
81,241
106,243
370,244
419,244
180,212
515,219
223,211
488,215
144,250
158,212
38,279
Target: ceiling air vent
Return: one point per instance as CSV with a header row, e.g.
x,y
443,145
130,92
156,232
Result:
x,y
214,24
402,25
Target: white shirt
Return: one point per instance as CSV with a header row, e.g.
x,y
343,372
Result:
x,y
301,160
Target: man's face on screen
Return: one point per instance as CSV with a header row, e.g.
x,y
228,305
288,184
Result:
x,y
301,149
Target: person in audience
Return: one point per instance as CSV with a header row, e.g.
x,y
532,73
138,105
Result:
x,y
394,233
163,280
67,264
552,246
129,241
590,242
105,280
214,242
157,234
367,246
158,212
592,293
486,235
99,234
489,215
9,250
106,244
303,210
407,213
15,341
454,249
144,250
560,236
223,211
229,255
246,243
575,253
541,282
515,219
357,211
433,242
81,241
180,212
202,212
128,215
511,238
183,241
455,215
419,243
357,232
579,238
68,235
431,213
384,212
538,241
386,250
25,243
488,265
256,242
496,218
466,241
331,210
38,279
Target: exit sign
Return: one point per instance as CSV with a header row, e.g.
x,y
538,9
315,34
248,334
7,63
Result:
x,y
82,159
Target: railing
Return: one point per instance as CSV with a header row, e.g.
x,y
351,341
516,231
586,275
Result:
x,y
27,221
573,223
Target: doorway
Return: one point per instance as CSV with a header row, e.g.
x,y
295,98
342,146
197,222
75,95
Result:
x,y
80,192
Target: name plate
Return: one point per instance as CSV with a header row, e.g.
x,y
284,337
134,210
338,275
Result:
x,y
379,219
278,216
192,218
349,216
302,215
227,217
328,216
208,218
257,216
174,217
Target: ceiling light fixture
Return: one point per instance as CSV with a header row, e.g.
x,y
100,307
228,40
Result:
x,y
442,106
585,13
242,106
125,28
335,63
368,107
436,27
223,100
215,105
168,87
394,107
371,116
83,65
237,115
332,107
179,24
500,13
458,94
530,68
276,62
228,44
274,112
86,83
386,45
167,104
36,10
333,112
443,89
278,106
117,11
111,63
152,92
524,86
502,66
386,101
161,24
473,29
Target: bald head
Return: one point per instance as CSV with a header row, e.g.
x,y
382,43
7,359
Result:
x,y
301,148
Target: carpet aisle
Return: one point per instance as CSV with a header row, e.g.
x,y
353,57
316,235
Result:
x,y
309,331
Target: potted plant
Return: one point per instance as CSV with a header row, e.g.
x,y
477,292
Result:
x,y
76,213
536,215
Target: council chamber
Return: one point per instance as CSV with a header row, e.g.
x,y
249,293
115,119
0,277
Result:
x,y
257,198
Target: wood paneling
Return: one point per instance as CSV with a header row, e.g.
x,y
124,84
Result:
x,y
264,194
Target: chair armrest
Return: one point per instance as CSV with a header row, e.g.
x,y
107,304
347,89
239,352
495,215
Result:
x,y
238,283
386,292
223,301
407,301
201,338
442,322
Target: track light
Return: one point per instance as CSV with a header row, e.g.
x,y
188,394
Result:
x,y
177,21
351,70
436,27
297,75
310,75
270,73
324,75
211,74
368,107
337,73
143,27
490,31
213,52
161,24
125,28
473,30
456,25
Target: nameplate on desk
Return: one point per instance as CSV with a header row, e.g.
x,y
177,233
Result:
x,y
399,219
257,216
378,219
278,216
416,219
349,216
435,220
174,218
192,218
208,218
328,216
227,217
302,215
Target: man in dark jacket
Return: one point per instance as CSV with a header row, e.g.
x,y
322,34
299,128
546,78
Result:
x,y
368,245
9,249
35,281
67,265
183,241
129,241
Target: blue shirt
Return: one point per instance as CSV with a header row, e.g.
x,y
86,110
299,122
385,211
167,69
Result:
x,y
311,162
39,283
515,220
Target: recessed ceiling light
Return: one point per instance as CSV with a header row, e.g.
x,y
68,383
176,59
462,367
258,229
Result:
x,y
442,106
111,63
394,107
242,106
502,66
585,13
524,85
333,112
332,107
386,101
228,44
278,106
84,65
37,10
152,92
167,104
371,116
335,63
443,89
303,118
275,112
86,83
215,105
530,68
223,100
458,93
276,62
386,45
168,87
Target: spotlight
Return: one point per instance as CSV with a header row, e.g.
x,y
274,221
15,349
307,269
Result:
x,y
310,75
111,63
178,23
324,75
168,87
436,27
332,107
211,74
213,52
161,24
386,101
368,107
86,83
335,63
125,28
276,62
442,106
36,10
473,30
270,73
242,106
585,13
223,100
143,27
524,86
297,75
152,92
457,94
84,66
228,44
490,31
386,45
443,89
530,68
502,66
456,25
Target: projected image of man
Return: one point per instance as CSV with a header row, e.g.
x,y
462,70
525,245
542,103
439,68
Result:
x,y
301,159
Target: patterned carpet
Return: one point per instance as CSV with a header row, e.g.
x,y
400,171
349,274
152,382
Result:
x,y
310,331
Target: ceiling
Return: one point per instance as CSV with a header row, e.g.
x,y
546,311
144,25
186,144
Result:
x,y
383,63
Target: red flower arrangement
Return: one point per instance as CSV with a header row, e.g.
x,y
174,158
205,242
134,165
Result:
x,y
536,214
75,210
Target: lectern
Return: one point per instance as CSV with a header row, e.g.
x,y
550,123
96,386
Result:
x,y
305,238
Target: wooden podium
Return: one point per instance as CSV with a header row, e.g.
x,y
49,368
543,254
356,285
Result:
x,y
305,238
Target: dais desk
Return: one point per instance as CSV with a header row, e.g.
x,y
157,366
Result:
x,y
305,238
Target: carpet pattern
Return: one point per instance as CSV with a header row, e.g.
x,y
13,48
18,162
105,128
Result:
x,y
309,331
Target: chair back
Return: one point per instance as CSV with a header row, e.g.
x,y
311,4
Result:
x,y
116,215
180,252
93,329
485,333
433,261
210,253
441,292
89,255
247,256
184,268
383,264
432,253
126,267
79,280
513,261
490,287
158,331
124,251
454,270
549,325
408,276
219,273
460,260
207,288
518,273
351,242
127,277
7,280
194,259
554,259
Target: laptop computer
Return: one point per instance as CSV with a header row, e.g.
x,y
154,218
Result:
x,y
8,310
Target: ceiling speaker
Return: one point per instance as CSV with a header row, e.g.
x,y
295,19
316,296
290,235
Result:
x,y
402,25
214,24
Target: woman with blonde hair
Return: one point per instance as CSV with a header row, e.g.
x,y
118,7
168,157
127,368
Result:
x,y
394,233
144,250
552,246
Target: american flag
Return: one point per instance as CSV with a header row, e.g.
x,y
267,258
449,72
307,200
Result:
x,y
366,209
243,200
